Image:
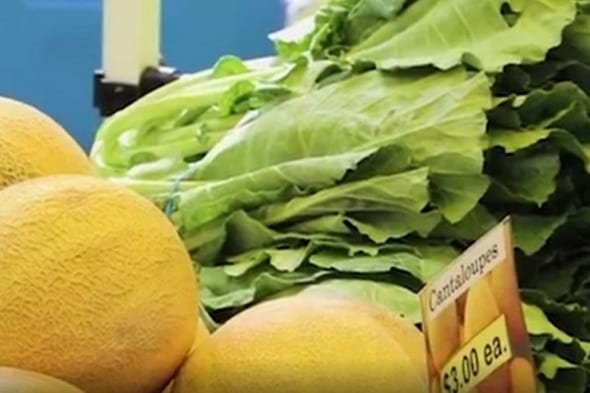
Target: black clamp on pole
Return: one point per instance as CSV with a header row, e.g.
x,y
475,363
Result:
x,y
111,97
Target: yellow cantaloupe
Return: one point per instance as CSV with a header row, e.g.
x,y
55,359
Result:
x,y
34,145
14,380
481,310
96,288
201,335
444,336
305,344
406,333
505,289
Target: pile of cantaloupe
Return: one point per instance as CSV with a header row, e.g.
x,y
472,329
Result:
x,y
98,295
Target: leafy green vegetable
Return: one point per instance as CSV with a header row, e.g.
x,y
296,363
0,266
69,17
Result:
x,y
421,268
539,325
384,138
455,195
471,227
216,198
253,284
476,33
486,34
524,177
373,110
407,191
560,375
531,232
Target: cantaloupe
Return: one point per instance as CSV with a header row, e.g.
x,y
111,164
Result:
x,y
14,380
305,344
444,335
33,145
481,309
96,288
505,288
201,335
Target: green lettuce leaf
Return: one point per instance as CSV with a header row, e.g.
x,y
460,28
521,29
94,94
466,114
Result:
x,y
471,227
222,291
575,37
514,140
571,317
379,227
524,177
539,325
164,108
214,199
421,268
400,192
369,111
456,195
337,25
531,232
559,375
487,34
457,124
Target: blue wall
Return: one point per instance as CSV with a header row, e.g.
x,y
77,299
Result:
x,y
50,48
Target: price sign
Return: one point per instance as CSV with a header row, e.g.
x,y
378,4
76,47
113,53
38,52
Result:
x,y
478,359
474,327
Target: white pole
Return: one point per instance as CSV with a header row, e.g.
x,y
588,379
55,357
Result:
x,y
131,39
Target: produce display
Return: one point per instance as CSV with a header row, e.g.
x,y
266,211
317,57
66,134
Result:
x,y
383,138
266,225
98,295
